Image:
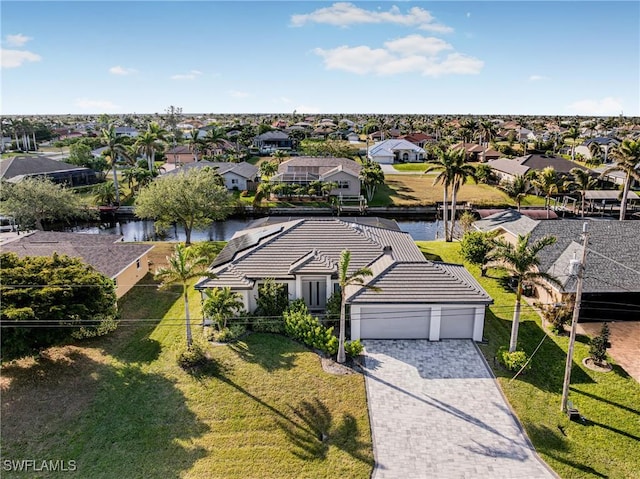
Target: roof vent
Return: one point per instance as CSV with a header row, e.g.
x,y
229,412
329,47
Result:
x,y
387,249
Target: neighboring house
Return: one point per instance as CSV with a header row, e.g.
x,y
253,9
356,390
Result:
x,y
304,170
475,152
611,288
237,176
507,169
395,151
271,141
17,168
418,138
605,144
179,155
418,298
125,263
126,131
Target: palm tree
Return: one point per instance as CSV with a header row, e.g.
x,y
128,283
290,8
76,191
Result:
x,y
345,280
444,163
280,155
115,149
628,156
371,177
147,143
195,143
263,191
461,171
583,181
183,266
516,189
268,169
487,131
105,193
573,134
221,304
438,125
547,182
521,261
214,138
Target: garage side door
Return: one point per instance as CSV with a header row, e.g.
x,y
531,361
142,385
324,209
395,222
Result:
x,y
457,323
394,323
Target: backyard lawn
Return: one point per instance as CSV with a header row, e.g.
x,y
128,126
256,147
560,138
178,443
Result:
x,y
119,406
606,445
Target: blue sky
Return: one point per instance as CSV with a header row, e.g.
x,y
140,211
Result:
x,y
503,57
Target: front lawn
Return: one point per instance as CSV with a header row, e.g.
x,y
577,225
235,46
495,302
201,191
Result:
x,y
606,444
417,167
121,407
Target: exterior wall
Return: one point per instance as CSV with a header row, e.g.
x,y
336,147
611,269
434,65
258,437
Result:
x,y
382,159
502,176
128,277
354,184
234,181
180,158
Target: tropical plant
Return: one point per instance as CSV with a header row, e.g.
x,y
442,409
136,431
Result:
x,y
521,261
547,182
346,279
104,194
583,181
516,189
183,266
272,299
572,134
475,248
115,149
461,172
371,177
279,156
222,304
487,130
268,169
627,155
196,144
214,138
147,143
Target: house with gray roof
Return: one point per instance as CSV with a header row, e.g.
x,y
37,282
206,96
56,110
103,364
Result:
x,y
395,151
507,169
417,298
271,141
611,288
18,168
237,176
304,170
125,263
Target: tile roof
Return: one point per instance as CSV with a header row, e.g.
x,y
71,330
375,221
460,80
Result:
x,y
107,253
244,169
318,165
509,220
389,146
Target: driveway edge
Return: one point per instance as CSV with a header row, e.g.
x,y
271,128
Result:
x,y
366,389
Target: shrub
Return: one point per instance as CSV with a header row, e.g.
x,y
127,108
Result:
x,y
267,325
272,299
192,357
598,345
333,307
353,348
227,334
300,325
244,193
512,361
557,316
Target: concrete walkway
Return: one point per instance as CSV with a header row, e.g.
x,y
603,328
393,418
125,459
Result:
x,y
436,412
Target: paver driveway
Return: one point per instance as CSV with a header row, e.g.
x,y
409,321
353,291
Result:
x,y
436,412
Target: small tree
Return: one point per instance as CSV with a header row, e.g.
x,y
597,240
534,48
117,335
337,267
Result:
x,y
599,345
475,248
272,299
222,304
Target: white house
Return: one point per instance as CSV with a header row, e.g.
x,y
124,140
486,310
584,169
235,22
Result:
x,y
395,151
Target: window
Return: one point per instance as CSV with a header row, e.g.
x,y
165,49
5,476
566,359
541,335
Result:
x,y
138,263
234,181
344,185
405,156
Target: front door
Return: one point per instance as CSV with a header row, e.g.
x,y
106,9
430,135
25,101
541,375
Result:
x,y
314,293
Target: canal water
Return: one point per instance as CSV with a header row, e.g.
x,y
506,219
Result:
x,y
143,230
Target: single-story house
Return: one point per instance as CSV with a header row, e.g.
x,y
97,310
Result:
x,y
17,168
271,141
475,152
125,263
611,287
304,170
508,169
395,151
237,176
126,131
418,298
604,144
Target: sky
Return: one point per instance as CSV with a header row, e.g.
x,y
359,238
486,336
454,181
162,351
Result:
x,y
454,57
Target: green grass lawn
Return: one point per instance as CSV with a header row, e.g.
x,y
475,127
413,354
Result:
x,y
121,407
417,167
607,444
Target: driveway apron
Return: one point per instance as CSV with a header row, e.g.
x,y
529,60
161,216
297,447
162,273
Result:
x,y
436,412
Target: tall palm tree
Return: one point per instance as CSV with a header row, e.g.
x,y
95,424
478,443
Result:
x,y
461,172
516,189
221,304
345,280
487,131
115,150
521,262
548,183
214,138
583,181
371,177
627,155
573,134
147,143
444,162
268,168
438,125
195,143
183,266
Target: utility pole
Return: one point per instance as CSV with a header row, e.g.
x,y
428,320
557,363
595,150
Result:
x,y
574,319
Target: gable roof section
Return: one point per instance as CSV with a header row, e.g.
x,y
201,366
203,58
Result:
x,y
273,135
510,166
511,221
244,169
20,166
106,253
313,262
318,165
387,147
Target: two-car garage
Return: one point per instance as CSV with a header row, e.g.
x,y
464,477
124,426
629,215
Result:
x,y
414,321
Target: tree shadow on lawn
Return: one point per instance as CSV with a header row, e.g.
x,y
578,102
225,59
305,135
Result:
x,y
397,189
268,351
113,420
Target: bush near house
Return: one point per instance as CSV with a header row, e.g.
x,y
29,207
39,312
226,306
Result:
x,y
300,325
512,361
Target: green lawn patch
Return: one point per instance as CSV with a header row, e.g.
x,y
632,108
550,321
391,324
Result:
x,y
606,444
121,407
417,167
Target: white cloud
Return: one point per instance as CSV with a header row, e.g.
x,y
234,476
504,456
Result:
x,y
17,40
192,75
413,53
118,70
538,78
468,14
238,94
343,14
604,106
96,105
15,58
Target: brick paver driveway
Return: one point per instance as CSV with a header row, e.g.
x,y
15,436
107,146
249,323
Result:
x,y
436,412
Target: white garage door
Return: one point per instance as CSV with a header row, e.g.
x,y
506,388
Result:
x,y
457,323
394,323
